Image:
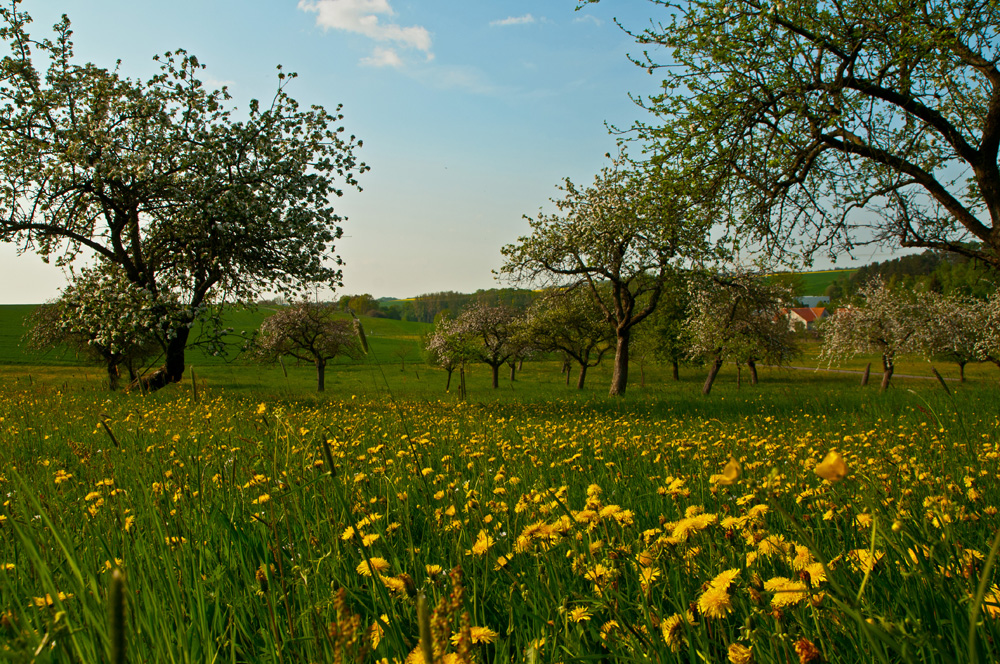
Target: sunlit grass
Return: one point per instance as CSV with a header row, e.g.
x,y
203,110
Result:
x,y
582,526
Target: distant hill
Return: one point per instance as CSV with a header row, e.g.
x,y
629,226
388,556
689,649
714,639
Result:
x,y
389,340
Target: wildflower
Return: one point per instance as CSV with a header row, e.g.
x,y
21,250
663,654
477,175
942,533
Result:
x,y
786,592
715,603
739,654
261,409
482,545
376,631
991,602
832,468
579,614
477,635
378,565
729,475
47,601
724,579
671,629
261,499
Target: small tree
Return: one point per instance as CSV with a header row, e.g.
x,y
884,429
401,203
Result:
x,y
738,317
571,323
308,332
101,315
953,328
622,239
885,321
496,332
449,347
989,345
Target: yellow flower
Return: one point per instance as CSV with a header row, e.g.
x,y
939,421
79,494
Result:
x,y
482,545
715,603
724,579
261,499
739,654
786,591
477,635
579,614
379,565
261,409
832,467
729,475
671,629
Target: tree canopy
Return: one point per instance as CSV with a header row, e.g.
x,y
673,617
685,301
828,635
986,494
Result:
x,y
836,123
161,179
622,239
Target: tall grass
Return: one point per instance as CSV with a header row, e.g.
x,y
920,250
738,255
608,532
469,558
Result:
x,y
254,528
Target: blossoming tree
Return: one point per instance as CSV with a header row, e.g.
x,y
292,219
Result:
x,y
308,332
160,179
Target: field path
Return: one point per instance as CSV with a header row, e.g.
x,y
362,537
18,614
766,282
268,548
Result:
x,y
859,372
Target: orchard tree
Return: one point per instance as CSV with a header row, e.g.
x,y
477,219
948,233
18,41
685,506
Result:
x,y
885,322
571,323
989,346
495,334
104,317
160,179
952,327
308,332
738,317
622,239
836,122
449,347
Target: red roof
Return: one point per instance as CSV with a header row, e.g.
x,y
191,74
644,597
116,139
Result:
x,y
809,314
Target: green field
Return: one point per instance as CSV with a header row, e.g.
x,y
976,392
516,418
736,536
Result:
x,y
539,522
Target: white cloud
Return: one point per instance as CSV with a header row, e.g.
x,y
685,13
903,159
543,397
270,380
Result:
x,y
362,17
382,57
514,20
587,18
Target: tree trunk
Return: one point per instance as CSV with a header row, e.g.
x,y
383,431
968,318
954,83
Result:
x,y
712,373
753,371
174,362
172,370
642,374
581,378
513,368
676,369
496,375
114,376
961,372
887,369
447,386
619,379
461,382
320,375
866,375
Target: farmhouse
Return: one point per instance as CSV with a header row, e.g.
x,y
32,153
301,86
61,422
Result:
x,y
805,317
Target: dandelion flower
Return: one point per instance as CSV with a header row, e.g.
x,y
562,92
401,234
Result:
x,y
729,475
671,629
715,603
482,545
739,654
379,565
579,613
477,635
724,579
786,592
832,468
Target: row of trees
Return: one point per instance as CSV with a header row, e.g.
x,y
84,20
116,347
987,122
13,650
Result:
x,y
701,317
890,322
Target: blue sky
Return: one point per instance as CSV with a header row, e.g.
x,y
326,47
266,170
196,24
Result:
x,y
471,112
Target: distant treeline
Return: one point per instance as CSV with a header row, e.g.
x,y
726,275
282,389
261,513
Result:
x,y
936,271
429,307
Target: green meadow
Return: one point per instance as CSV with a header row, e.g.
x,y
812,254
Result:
x,y
240,516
